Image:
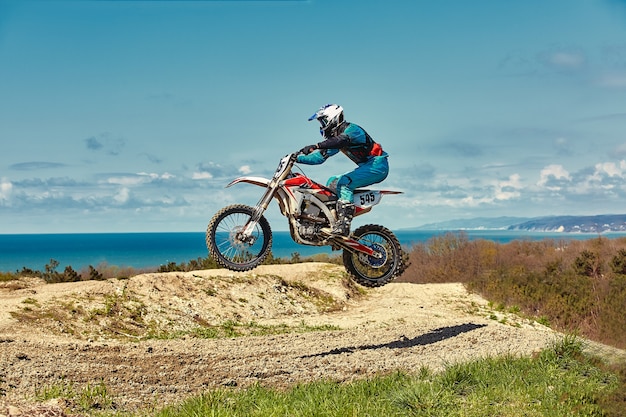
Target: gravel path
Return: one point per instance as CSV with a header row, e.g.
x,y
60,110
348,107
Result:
x,y
397,327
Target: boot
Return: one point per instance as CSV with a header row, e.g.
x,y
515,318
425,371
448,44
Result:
x,y
345,212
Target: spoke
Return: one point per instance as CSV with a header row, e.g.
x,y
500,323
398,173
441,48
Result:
x,y
226,238
363,262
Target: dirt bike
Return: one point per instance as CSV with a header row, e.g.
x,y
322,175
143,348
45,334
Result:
x,y
239,237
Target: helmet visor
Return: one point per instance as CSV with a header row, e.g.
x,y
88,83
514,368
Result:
x,y
323,119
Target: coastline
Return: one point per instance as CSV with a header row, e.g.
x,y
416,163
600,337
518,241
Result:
x,y
152,249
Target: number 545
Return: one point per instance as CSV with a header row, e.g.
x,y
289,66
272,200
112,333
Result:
x,y
367,198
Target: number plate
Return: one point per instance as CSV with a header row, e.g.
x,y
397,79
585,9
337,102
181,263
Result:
x,y
366,198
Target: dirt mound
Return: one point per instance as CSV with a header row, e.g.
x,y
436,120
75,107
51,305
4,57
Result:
x,y
157,338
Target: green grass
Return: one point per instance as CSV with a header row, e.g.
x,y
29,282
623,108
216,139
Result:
x,y
231,328
558,382
89,398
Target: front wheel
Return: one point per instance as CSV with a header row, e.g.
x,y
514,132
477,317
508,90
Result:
x,y
383,266
230,247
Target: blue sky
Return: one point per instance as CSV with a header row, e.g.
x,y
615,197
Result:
x,y
133,115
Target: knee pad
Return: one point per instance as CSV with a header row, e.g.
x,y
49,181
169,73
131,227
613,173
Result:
x,y
343,188
332,183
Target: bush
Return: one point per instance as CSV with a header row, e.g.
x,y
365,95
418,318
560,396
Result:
x,y
574,285
94,275
588,264
618,263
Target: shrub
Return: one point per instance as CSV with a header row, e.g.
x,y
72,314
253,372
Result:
x,y
574,285
618,263
588,264
94,275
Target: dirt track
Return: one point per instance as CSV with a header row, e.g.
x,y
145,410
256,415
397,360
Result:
x,y
85,333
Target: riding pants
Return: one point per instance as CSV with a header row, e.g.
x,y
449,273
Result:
x,y
371,172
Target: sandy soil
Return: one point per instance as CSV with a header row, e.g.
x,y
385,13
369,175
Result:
x,y
94,332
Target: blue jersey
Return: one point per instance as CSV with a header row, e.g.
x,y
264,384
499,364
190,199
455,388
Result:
x,y
352,140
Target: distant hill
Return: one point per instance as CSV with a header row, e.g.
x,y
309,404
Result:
x,y
570,224
478,223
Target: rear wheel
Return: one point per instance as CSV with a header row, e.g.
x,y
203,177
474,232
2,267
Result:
x,y
382,267
230,247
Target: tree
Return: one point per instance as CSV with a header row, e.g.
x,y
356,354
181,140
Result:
x,y
587,264
51,275
618,263
94,275
69,275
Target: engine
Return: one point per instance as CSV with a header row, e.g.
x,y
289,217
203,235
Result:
x,y
311,220
308,230
310,210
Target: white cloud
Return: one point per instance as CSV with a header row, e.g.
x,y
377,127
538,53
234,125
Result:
x,y
245,169
604,179
464,192
153,176
122,196
204,175
609,169
552,176
125,180
138,179
607,176
486,194
509,189
6,187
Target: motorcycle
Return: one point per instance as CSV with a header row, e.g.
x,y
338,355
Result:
x,y
239,237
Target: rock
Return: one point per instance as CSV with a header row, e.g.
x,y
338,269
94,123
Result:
x,y
13,411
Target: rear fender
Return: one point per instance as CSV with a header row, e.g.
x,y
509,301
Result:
x,y
366,199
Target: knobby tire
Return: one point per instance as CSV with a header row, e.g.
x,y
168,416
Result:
x,y
226,249
378,275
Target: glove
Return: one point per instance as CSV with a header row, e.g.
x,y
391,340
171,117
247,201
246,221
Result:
x,y
307,149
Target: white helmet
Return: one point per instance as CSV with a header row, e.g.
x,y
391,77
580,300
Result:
x,y
330,116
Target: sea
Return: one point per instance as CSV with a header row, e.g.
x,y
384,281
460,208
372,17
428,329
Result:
x,y
151,250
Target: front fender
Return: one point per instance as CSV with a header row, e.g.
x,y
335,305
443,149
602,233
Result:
x,y
260,181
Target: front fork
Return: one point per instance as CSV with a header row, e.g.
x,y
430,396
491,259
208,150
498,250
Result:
x,y
284,168
246,233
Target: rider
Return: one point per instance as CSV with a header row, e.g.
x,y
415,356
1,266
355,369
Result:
x,y
356,144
